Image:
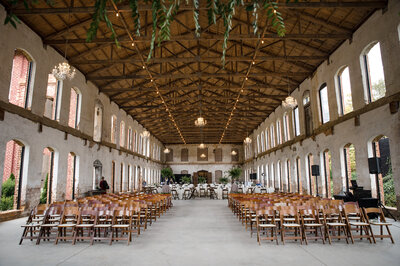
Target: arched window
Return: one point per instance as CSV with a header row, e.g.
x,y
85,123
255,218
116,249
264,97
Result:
x,y
262,142
288,176
279,175
98,122
53,98
113,129
298,176
373,72
129,140
327,173
267,145
74,108
140,144
185,155
135,141
49,175
14,175
380,147
278,132
307,113
343,91
21,84
324,103
272,135
296,121
72,176
306,97
349,165
310,181
258,144
286,135
122,134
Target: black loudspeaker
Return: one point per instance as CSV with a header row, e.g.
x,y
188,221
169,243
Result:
x,y
315,170
253,176
374,165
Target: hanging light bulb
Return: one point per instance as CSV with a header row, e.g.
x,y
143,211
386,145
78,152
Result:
x,y
166,150
63,70
233,152
203,155
202,146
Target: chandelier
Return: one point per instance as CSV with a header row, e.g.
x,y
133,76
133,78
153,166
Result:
x,y
289,102
203,155
247,140
166,150
146,134
202,146
200,122
63,70
233,152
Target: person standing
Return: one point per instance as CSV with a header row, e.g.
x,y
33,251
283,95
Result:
x,y
103,184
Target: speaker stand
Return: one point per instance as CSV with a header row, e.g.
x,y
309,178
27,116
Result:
x,y
379,198
316,183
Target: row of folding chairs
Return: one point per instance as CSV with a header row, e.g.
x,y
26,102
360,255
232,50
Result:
x,y
94,220
311,218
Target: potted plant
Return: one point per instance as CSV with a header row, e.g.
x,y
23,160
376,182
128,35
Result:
x,y
166,173
224,180
202,180
186,179
235,173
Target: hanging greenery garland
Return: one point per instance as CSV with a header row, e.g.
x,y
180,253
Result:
x,y
164,13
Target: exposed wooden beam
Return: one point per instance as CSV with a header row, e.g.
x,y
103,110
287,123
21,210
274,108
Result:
x,y
207,37
202,75
197,59
144,7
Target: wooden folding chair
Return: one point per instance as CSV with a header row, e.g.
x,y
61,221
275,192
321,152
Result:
x,y
290,222
102,225
266,222
356,221
48,229
66,227
121,225
335,223
85,224
381,222
32,225
311,223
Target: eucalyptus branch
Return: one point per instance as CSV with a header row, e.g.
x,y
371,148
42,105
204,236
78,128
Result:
x,y
135,15
196,17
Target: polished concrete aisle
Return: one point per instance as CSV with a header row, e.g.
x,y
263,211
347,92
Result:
x,y
195,232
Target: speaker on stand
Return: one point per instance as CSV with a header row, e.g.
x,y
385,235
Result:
x,y
374,165
315,172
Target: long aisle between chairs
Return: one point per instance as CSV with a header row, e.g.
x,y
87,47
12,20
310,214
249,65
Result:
x,y
193,232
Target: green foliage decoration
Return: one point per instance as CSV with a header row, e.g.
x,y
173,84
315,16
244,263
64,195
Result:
x,y
7,194
202,179
235,173
186,179
43,195
164,11
223,180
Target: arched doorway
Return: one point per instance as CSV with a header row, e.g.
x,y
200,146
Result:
x,y
13,175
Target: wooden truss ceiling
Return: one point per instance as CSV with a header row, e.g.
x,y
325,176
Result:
x,y
188,71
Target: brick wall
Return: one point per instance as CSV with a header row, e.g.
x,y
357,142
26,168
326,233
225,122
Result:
x,y
19,78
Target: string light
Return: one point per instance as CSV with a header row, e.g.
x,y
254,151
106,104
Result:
x,y
117,14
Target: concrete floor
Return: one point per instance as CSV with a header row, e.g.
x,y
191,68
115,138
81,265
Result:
x,y
195,232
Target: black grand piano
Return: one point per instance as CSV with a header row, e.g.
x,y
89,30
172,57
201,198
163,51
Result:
x,y
360,195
